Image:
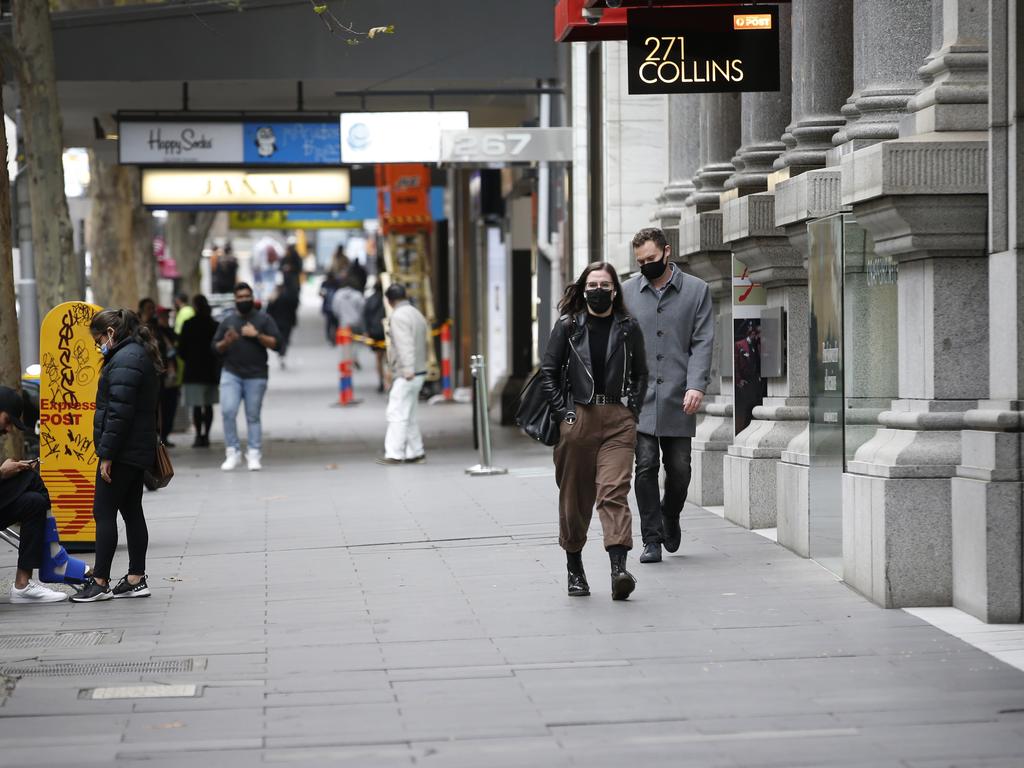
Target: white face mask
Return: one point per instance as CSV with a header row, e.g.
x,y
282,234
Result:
x,y
106,346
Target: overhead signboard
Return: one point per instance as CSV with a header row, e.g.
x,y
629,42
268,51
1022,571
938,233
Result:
x,y
362,208
506,145
232,189
396,137
229,143
703,50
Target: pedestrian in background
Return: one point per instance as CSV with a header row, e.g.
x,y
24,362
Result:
x,y
674,309
600,348
202,368
283,307
242,340
403,443
183,311
125,438
170,384
24,500
373,323
328,287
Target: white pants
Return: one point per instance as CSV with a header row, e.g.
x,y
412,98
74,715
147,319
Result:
x,y
403,439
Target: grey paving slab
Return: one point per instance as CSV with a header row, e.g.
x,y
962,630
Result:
x,y
346,613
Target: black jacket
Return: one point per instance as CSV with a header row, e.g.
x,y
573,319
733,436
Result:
x,y
202,365
625,367
124,429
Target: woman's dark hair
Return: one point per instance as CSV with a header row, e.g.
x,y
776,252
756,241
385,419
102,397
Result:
x,y
202,306
126,324
573,301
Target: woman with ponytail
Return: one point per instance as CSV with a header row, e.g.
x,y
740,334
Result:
x,y
125,439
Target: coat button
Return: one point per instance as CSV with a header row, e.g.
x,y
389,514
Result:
x,y
660,357
661,333
660,310
661,380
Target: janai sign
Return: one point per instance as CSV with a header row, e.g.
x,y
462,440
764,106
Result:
x,y
703,50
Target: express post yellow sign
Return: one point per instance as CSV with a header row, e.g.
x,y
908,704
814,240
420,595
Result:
x,y
70,370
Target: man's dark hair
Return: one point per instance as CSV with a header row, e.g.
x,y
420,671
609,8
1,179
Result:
x,y
650,234
242,287
396,292
182,297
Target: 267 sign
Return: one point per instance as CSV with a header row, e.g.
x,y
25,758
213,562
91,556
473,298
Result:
x,y
703,50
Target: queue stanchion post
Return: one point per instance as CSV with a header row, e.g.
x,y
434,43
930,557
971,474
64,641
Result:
x,y
446,361
478,369
346,390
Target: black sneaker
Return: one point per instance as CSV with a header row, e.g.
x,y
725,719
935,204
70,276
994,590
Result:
x,y
92,593
125,588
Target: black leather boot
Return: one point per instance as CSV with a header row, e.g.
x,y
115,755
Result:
x,y
578,586
623,582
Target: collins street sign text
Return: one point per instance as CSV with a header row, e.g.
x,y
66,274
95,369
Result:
x,y
704,50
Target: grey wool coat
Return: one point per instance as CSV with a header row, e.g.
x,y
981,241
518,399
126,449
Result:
x,y
679,334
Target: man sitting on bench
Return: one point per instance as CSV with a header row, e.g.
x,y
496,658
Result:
x,y
24,500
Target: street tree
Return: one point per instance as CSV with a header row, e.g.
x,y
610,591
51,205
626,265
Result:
x,y
10,348
186,233
62,278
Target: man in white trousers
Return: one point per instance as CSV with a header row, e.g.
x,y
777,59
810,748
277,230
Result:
x,y
407,356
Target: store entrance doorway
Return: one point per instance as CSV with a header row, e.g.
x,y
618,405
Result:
x,y
853,365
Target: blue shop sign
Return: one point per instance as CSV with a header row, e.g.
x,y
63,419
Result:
x,y
284,143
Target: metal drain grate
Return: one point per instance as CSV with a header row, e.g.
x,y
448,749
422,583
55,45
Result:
x,y
60,640
85,669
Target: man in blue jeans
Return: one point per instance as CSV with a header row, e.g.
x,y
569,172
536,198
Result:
x,y
242,341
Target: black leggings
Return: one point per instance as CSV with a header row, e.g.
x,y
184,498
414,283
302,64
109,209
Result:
x,y
123,493
202,418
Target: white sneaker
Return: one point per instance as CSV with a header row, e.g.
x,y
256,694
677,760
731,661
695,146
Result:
x,y
232,460
36,593
253,459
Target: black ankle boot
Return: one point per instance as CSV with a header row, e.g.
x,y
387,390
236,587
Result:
x,y
578,586
623,582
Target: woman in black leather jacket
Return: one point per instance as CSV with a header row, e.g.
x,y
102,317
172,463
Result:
x,y
599,349
125,437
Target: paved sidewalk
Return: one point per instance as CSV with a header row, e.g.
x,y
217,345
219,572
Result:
x,y
336,612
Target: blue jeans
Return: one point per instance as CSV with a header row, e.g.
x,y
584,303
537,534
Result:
x,y
233,390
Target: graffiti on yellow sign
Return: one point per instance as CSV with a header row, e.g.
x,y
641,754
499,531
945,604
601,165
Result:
x,y
70,369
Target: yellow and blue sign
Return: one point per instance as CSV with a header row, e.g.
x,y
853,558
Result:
x,y
69,373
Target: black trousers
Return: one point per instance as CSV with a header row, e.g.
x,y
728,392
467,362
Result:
x,y
29,511
122,494
675,455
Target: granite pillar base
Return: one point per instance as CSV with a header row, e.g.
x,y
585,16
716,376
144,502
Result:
x,y
897,515
714,434
750,464
792,478
988,515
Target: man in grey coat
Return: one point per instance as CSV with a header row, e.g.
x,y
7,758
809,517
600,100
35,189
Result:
x,y
675,313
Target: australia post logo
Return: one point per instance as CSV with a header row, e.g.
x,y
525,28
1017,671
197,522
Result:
x,y
752,21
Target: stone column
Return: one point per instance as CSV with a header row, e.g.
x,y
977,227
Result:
x,y
822,79
764,116
987,491
683,160
884,70
748,226
707,257
923,199
719,138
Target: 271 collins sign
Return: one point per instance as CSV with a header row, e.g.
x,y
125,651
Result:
x,y
703,50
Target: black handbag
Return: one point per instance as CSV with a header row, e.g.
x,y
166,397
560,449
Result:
x,y
533,413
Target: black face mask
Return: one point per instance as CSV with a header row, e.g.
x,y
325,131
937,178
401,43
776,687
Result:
x,y
599,300
654,269
243,307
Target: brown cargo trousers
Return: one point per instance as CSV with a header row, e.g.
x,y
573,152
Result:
x,y
594,463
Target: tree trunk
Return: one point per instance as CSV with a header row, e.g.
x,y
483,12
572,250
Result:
x,y
142,240
186,235
52,237
110,235
10,349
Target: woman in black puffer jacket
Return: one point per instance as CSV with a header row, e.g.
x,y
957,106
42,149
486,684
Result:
x,y
125,436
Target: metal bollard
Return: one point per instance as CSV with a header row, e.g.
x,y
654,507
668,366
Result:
x,y
479,370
